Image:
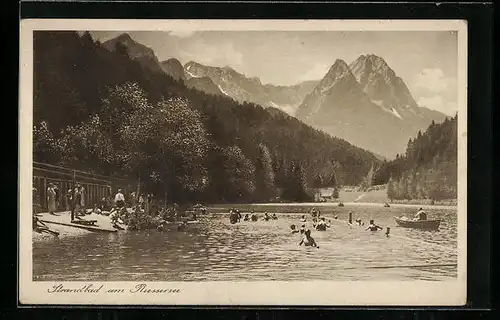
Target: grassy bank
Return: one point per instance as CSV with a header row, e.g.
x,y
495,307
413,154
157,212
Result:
x,y
380,196
450,202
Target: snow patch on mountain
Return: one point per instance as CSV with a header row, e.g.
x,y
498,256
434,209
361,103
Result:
x,y
222,90
396,113
392,111
192,75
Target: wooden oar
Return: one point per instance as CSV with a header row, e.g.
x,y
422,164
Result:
x,y
54,233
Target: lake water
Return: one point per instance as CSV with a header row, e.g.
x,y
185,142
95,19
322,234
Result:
x,y
262,250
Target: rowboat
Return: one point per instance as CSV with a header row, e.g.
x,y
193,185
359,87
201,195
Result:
x,y
417,224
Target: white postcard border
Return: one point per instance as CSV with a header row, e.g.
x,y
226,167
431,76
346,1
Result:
x,y
327,293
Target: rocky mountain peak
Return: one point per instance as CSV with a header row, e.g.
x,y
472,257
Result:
x,y
174,68
366,67
124,37
338,69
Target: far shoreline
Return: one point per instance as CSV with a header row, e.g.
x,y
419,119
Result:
x,y
335,204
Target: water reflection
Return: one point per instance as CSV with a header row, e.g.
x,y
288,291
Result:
x,y
262,250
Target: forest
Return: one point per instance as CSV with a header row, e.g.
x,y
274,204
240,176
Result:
x,y
98,110
428,169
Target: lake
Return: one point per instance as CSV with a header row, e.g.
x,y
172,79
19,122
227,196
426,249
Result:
x,y
215,250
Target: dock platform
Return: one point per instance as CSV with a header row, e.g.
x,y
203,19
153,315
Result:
x,y
102,224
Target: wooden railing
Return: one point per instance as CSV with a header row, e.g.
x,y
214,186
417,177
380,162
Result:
x,y
96,186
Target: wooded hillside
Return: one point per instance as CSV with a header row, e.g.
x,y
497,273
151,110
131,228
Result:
x,y
100,111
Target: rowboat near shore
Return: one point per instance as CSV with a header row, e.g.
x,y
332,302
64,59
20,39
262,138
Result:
x,y
417,224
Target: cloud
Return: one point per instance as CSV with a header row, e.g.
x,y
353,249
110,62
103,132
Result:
x,y
432,89
432,79
213,54
317,72
437,102
182,33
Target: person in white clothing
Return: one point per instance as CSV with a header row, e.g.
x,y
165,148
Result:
x,y
119,199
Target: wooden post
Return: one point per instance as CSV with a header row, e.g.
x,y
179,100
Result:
x,y
350,217
43,194
138,190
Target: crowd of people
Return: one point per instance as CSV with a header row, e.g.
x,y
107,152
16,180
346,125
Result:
x,y
75,201
319,223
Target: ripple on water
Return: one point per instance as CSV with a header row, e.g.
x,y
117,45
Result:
x,y
217,250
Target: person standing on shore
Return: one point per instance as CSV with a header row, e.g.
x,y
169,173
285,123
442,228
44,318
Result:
x,y
132,199
58,195
68,199
51,199
77,200
141,202
119,199
82,201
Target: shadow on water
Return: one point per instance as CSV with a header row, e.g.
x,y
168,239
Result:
x,y
262,250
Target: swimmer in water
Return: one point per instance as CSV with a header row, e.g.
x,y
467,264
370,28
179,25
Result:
x,y
181,226
160,227
294,229
308,241
303,218
254,217
275,217
322,225
302,229
247,217
266,216
373,227
313,212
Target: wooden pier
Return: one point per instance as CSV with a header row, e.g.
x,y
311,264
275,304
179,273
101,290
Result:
x,y
81,226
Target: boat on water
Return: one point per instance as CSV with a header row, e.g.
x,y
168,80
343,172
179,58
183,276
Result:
x,y
417,224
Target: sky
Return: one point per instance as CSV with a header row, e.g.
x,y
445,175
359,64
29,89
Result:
x,y
425,60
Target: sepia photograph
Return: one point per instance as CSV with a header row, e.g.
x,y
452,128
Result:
x,y
302,159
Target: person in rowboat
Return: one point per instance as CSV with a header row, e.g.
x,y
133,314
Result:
x,y
373,227
308,241
420,215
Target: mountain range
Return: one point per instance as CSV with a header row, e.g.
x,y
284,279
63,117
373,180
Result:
x,y
364,102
